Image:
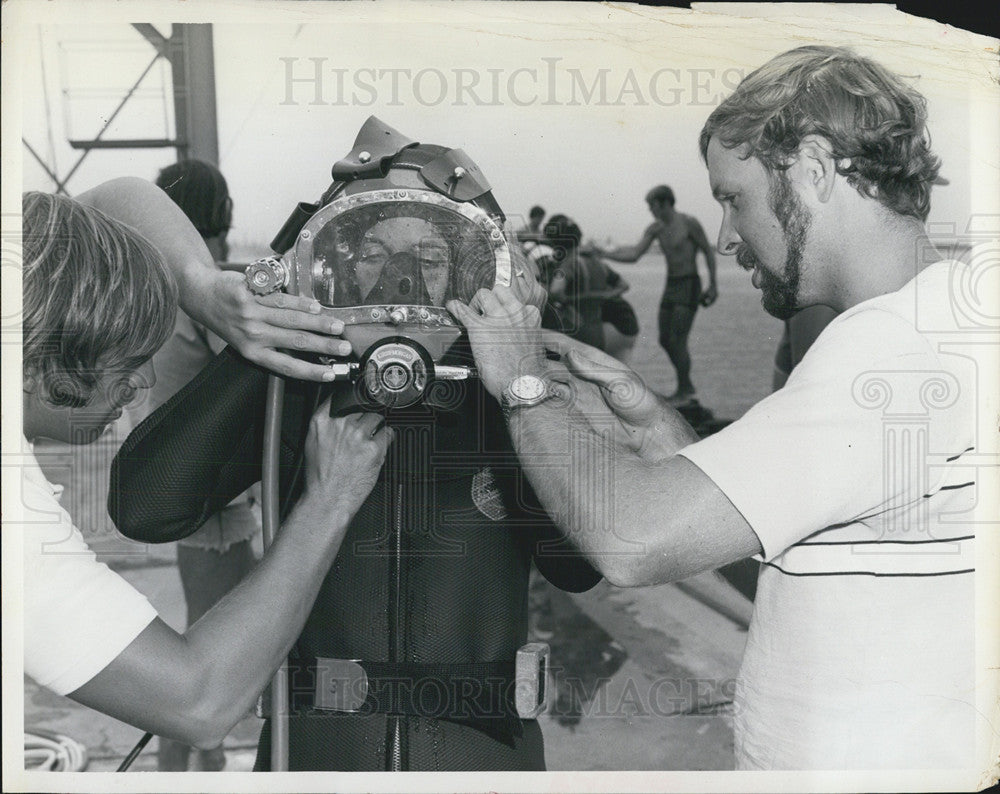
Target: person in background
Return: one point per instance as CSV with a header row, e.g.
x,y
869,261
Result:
x,y
531,235
215,558
585,295
577,283
681,237
621,325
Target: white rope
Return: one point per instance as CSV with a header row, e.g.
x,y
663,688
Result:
x,y
53,752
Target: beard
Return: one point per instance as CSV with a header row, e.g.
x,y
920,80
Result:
x,y
779,293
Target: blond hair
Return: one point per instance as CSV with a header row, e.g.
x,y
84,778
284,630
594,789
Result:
x,y
98,297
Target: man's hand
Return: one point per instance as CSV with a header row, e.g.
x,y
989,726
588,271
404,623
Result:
x,y
650,427
260,329
505,337
709,296
343,458
263,328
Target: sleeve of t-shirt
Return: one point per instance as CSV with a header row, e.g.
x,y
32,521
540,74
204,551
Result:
x,y
79,615
814,454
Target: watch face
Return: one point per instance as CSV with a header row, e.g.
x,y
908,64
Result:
x,y
527,387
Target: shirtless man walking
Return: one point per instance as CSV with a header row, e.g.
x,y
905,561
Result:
x,y
680,237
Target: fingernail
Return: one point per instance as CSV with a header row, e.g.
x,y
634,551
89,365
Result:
x,y
329,375
344,349
336,327
314,307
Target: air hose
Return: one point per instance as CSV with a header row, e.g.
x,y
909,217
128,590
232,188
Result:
x,y
271,520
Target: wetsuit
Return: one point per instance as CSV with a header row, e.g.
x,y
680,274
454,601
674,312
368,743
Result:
x,y
428,591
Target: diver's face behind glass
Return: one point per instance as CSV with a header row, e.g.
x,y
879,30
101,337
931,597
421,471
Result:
x,y
400,248
401,260
385,262
367,267
435,266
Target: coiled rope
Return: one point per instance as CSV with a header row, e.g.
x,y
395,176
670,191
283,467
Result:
x,y
52,752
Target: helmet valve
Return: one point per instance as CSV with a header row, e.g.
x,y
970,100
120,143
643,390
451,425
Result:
x,y
266,275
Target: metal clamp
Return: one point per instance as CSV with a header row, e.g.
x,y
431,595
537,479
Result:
x,y
531,669
343,370
341,685
454,372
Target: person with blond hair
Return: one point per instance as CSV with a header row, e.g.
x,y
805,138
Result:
x,y
99,300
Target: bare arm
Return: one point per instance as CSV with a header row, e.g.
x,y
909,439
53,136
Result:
x,y
196,686
654,522
700,240
630,253
261,329
653,516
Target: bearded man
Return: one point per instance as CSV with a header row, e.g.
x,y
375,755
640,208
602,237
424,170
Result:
x,y
852,483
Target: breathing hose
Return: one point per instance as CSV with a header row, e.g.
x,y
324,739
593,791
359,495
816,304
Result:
x,y
271,519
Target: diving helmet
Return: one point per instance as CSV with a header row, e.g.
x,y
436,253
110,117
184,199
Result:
x,y
404,228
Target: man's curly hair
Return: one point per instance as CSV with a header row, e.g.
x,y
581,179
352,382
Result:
x,y
874,122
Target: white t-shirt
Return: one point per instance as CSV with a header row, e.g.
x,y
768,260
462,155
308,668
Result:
x,y
79,615
856,478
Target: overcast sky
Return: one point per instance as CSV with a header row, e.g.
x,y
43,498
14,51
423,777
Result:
x,y
579,107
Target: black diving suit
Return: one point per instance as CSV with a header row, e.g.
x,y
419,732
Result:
x,y
428,594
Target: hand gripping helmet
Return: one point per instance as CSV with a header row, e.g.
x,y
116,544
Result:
x,y
404,228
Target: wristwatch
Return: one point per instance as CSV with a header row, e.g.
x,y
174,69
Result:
x,y
524,391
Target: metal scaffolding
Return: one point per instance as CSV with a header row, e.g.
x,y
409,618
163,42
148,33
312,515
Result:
x,y
190,53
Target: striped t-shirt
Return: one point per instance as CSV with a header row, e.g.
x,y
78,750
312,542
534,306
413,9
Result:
x,y
859,478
